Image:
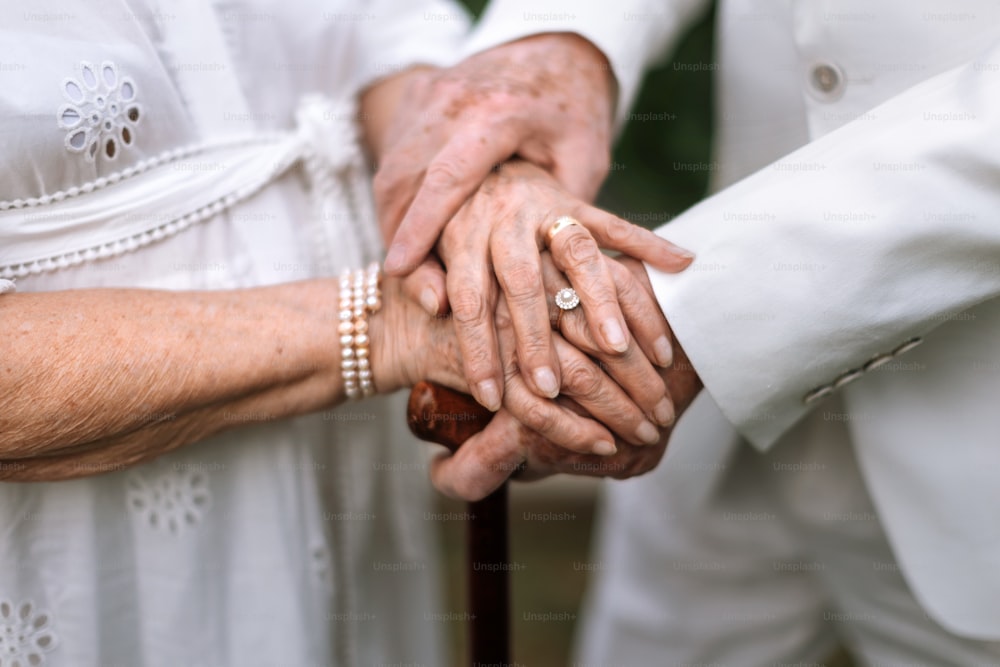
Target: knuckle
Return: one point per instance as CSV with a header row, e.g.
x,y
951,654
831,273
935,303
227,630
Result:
x,y
442,175
579,249
538,417
581,379
468,306
620,232
522,282
533,345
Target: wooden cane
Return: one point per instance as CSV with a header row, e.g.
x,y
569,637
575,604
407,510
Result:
x,y
449,418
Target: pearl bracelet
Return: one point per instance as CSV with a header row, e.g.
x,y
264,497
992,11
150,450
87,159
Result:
x,y
360,294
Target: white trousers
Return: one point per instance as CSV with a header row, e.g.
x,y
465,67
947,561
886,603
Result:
x,y
724,556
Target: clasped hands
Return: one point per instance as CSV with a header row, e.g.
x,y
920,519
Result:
x,y
518,137
593,391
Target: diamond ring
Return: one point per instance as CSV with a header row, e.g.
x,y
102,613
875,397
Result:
x,y
567,298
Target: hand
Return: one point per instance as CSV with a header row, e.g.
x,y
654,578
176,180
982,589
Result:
x,y
494,244
546,98
429,350
487,459
507,446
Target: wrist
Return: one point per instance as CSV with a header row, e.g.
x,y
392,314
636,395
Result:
x,y
395,350
383,359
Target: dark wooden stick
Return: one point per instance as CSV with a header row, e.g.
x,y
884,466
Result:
x,y
449,418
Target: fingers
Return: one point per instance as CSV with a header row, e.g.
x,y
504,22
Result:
x,y
546,417
483,462
576,254
642,313
631,370
519,273
505,446
428,287
451,177
613,233
602,398
472,294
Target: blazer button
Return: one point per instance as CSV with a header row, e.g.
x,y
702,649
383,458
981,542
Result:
x,y
826,81
817,394
875,362
848,377
907,346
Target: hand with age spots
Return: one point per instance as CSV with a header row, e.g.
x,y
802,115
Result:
x,y
521,98
506,446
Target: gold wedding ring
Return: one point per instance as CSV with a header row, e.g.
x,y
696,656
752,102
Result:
x,y
560,224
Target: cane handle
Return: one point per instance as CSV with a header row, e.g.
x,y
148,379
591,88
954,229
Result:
x,y
445,416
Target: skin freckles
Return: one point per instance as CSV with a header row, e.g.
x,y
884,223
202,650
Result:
x,y
488,101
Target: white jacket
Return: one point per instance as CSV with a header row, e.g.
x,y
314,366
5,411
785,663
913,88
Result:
x,y
868,221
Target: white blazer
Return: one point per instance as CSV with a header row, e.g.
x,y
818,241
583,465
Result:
x,y
867,222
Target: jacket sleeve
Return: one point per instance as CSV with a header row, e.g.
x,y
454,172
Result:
x,y
397,34
843,254
632,34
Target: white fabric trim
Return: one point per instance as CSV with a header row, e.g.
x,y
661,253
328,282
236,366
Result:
x,y
165,195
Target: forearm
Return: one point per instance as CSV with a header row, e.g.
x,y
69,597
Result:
x,y
105,376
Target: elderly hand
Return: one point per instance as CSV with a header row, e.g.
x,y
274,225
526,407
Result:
x,y
487,459
494,244
429,350
546,98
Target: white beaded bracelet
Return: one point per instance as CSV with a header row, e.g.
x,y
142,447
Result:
x,y
360,294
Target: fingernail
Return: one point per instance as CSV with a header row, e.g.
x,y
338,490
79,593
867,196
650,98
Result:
x,y
663,351
648,433
489,395
395,258
614,334
686,254
664,413
429,301
604,448
545,380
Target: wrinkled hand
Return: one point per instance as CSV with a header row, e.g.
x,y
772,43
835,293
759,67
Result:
x,y
494,246
409,345
487,459
546,98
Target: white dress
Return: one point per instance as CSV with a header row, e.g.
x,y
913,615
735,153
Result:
x,y
177,146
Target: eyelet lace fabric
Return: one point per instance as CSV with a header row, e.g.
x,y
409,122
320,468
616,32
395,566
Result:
x,y
324,142
26,634
169,500
101,113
